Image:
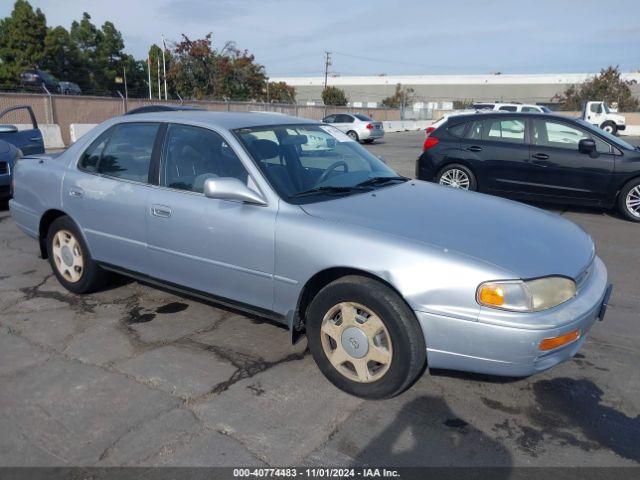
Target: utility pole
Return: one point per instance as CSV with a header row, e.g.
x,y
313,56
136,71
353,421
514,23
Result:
x,y
159,84
327,64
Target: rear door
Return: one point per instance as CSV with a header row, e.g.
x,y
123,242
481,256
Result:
x,y
107,194
344,122
558,169
498,147
25,136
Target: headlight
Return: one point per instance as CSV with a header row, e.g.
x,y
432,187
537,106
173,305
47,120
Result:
x,y
526,295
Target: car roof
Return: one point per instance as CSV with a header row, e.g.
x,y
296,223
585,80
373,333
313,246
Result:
x,y
497,114
227,120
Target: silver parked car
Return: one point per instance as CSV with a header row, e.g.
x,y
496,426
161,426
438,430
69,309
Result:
x,y
384,274
357,126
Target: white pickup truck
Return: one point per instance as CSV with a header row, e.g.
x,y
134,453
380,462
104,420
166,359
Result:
x,y
601,115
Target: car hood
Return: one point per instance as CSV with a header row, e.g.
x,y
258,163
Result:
x,y
525,241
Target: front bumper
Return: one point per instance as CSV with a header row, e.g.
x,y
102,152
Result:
x,y
503,347
622,127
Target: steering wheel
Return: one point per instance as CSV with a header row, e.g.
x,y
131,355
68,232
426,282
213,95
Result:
x,y
328,171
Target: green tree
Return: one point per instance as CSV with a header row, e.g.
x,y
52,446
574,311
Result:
x,y
401,97
607,86
22,37
334,96
62,56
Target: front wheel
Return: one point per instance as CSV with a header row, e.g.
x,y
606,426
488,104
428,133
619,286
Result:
x,y
610,127
457,176
629,200
70,259
364,338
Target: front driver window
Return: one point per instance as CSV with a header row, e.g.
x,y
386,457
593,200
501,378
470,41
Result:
x,y
194,154
561,135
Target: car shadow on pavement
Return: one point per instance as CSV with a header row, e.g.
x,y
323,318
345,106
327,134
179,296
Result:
x,y
427,433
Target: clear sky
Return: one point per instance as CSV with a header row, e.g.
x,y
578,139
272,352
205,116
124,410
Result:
x,y
371,37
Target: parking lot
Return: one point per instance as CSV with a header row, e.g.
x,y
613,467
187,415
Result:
x,y
134,375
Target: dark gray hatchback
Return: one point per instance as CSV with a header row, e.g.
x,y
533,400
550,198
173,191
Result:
x,y
534,157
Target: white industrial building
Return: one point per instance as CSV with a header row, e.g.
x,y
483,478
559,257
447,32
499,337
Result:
x,y
439,91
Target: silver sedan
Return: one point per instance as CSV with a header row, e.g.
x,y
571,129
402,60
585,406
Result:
x,y
294,221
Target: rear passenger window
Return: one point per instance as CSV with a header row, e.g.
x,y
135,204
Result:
x,y
530,110
458,130
127,154
504,130
508,108
89,160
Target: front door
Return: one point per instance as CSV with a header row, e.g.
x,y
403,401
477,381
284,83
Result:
x,y
107,194
221,247
595,113
28,138
557,168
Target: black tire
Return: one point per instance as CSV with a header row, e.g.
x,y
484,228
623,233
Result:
x,y
613,127
91,276
407,339
473,183
622,200
369,140
353,135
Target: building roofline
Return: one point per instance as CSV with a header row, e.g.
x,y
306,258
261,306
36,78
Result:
x,y
484,79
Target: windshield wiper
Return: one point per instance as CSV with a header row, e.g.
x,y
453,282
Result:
x,y
326,189
380,181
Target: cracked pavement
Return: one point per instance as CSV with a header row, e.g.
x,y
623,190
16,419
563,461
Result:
x,y
134,375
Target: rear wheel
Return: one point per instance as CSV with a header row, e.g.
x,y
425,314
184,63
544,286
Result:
x,y
353,135
364,338
629,200
610,127
457,176
70,259
369,140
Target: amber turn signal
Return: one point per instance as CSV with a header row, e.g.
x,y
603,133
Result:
x,y
491,294
555,342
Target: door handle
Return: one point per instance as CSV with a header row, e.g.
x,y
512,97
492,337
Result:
x,y
474,148
161,211
540,156
35,139
76,192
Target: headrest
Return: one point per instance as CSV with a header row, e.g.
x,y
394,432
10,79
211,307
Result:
x,y
264,149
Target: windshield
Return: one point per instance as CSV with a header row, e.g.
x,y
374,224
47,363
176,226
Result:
x,y
307,163
545,109
611,138
606,107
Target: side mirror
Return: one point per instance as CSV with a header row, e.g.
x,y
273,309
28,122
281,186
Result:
x,y
8,129
587,145
227,188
